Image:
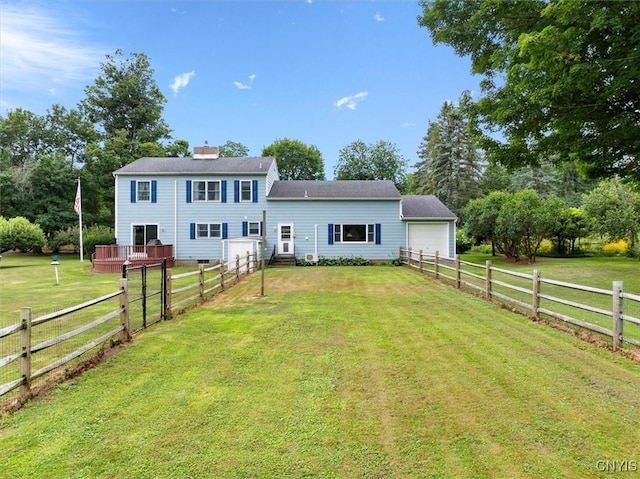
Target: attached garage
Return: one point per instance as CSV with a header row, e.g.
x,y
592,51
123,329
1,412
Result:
x,y
430,225
428,237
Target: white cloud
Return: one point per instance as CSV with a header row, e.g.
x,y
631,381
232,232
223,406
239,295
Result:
x,y
245,86
351,102
408,124
378,18
181,81
39,49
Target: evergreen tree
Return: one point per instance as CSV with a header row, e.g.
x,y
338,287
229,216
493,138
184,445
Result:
x,y
450,166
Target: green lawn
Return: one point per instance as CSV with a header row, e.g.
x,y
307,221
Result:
x,y
596,271
337,372
30,281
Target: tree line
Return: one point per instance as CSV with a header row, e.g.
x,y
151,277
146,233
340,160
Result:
x,y
119,120
552,134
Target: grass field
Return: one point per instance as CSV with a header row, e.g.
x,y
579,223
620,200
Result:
x,y
337,372
596,271
29,281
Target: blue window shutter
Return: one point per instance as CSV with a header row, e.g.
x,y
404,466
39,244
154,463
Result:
x,y
225,230
330,233
245,228
133,191
254,191
188,191
378,233
154,191
236,191
192,231
223,192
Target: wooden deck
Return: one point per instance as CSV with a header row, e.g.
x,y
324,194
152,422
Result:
x,y
110,258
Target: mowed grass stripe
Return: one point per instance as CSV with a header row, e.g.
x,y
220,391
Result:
x,y
337,372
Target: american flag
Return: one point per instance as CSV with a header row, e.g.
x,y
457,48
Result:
x,y
77,205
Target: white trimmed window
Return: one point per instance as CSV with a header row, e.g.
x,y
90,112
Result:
x,y
245,190
254,228
355,233
143,189
206,191
208,230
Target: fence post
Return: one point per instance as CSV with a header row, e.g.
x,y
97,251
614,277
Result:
x,y
248,264
458,271
535,300
201,282
222,276
436,268
25,344
237,267
420,261
400,254
144,296
124,310
167,289
487,280
617,315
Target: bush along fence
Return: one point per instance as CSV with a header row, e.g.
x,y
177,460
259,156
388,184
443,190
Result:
x,y
36,347
613,312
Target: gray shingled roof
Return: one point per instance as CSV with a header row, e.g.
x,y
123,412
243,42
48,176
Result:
x,y
166,166
333,190
425,207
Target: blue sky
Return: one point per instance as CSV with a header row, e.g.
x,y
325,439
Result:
x,y
325,72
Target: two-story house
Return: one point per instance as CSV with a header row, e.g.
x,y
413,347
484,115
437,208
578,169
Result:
x,y
211,208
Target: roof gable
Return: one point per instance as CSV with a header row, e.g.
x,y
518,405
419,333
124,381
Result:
x,y
226,166
333,190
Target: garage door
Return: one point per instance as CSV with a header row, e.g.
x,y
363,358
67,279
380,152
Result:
x,y
429,237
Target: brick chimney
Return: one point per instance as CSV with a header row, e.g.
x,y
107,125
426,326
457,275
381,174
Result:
x,y
205,152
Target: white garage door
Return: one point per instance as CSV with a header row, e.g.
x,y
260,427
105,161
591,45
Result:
x,y
429,237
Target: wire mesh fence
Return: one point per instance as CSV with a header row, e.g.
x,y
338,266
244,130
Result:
x,y
146,284
59,342
43,346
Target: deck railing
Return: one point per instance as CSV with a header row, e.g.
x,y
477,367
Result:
x,y
132,252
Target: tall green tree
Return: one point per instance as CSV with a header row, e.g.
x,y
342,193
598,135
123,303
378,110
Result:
x,y
524,221
126,105
450,162
125,101
50,201
377,161
614,210
560,80
481,216
296,160
233,149
542,179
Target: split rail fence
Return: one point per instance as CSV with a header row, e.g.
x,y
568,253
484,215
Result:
x,y
147,294
613,312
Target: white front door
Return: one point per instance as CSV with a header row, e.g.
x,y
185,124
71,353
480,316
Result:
x,y
285,238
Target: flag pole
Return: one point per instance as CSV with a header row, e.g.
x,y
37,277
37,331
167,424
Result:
x,y
77,207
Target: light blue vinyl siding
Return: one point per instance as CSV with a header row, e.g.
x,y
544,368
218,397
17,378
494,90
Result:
x,y
306,215
171,209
